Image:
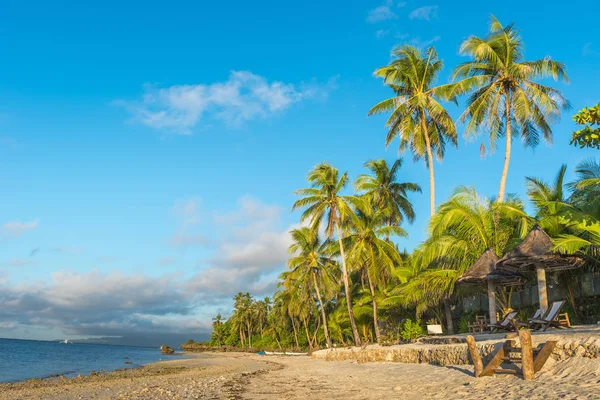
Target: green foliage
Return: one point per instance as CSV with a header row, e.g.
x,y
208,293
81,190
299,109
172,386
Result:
x,y
463,324
589,135
190,341
411,330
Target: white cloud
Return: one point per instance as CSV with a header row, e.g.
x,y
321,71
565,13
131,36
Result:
x,y
17,262
249,249
251,253
243,97
16,229
425,13
96,303
416,41
384,12
381,33
381,13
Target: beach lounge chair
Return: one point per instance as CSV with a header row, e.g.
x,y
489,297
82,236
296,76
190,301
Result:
x,y
551,317
506,324
537,315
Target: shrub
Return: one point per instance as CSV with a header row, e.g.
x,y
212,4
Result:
x,y
411,330
463,325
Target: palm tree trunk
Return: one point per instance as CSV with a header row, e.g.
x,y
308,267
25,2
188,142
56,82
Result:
x,y
315,338
346,280
277,340
325,329
310,346
375,320
295,333
449,322
430,162
249,336
502,188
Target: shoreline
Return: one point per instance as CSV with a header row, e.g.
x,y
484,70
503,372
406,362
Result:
x,y
253,377
75,374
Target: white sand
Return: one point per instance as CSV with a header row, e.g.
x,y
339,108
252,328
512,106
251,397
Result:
x,y
240,376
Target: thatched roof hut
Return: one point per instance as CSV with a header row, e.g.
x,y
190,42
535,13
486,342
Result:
x,y
484,269
537,250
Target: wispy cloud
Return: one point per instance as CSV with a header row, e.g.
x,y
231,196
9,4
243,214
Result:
x,y
381,33
425,13
243,97
18,262
16,229
384,12
588,50
417,42
188,212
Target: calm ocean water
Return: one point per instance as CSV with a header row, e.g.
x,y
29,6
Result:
x,y
24,359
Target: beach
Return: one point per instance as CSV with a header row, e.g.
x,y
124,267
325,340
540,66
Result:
x,y
249,376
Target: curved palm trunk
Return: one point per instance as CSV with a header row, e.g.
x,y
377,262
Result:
x,y
346,280
295,333
375,318
310,346
502,188
323,317
430,162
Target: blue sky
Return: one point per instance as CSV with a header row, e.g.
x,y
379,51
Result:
x,y
149,151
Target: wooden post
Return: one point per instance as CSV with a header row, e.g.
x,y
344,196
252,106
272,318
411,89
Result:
x,y
492,301
475,356
527,354
543,355
542,291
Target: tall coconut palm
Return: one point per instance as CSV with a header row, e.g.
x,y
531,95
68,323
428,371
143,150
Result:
x,y
324,201
417,117
384,191
504,98
369,250
313,265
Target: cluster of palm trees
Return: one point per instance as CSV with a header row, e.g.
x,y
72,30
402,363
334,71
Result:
x,y
347,280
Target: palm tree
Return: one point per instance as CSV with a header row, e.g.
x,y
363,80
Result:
x,y
503,94
384,191
586,189
367,249
417,118
545,197
463,228
313,266
218,329
323,200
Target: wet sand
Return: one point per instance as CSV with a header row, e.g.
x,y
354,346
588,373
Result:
x,y
244,376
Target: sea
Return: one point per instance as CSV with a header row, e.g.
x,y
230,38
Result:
x,y
25,359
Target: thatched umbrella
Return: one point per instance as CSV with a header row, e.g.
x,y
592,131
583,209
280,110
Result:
x,y
536,252
484,271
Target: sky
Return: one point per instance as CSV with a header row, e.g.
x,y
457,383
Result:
x,y
149,150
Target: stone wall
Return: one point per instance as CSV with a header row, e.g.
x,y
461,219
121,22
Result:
x,y
457,354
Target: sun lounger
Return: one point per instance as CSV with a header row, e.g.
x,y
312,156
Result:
x,y
537,315
551,317
506,324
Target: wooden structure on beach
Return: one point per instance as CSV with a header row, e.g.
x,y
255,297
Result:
x,y
536,252
524,360
484,272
